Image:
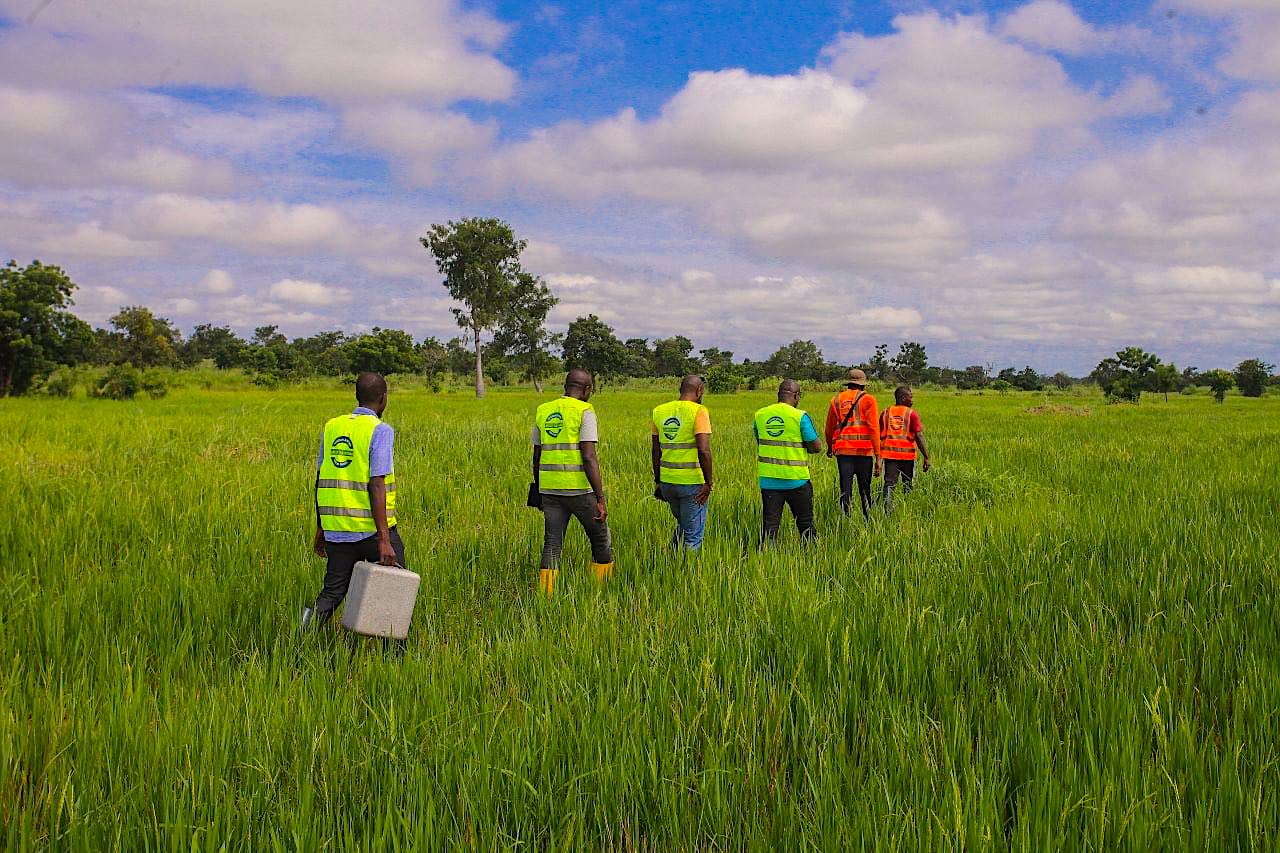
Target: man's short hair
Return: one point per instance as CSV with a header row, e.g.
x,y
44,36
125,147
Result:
x,y
900,393
370,388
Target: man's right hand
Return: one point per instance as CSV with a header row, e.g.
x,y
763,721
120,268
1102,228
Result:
x,y
704,495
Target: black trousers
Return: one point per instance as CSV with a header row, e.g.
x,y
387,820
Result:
x,y
895,470
861,468
801,502
342,559
556,512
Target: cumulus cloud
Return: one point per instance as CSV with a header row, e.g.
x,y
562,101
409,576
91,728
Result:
x,y
257,225
218,282
428,50
1255,32
309,293
418,141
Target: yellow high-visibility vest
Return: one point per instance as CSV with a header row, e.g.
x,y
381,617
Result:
x,y
674,422
780,452
342,489
560,468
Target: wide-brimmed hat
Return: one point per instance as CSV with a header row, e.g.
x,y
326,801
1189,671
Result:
x,y
856,377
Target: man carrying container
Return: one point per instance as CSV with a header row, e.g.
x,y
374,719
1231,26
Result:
x,y
853,438
901,432
355,497
681,452
567,471
784,435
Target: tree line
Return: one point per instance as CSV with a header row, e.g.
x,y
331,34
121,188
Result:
x,y
502,314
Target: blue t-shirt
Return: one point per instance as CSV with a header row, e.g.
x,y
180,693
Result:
x,y
808,433
380,445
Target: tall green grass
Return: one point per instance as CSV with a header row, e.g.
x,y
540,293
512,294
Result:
x,y
1066,637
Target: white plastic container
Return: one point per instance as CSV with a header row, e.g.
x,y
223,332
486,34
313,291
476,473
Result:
x,y
380,600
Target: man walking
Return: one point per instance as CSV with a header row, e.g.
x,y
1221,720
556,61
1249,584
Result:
x,y
567,470
901,433
853,437
681,452
784,434
355,496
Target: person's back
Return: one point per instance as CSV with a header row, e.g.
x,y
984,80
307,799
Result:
x,y
355,496
853,438
785,435
567,471
681,455
901,434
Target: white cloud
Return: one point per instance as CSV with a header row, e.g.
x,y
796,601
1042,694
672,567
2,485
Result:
x,y
428,50
256,225
309,293
1050,24
418,141
1255,33
886,317
91,240
218,282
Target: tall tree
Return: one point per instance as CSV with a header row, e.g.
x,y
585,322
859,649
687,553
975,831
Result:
x,y
382,351
480,261
216,343
1252,376
35,328
716,357
911,362
878,366
640,357
1165,378
671,356
522,333
1219,381
145,339
1124,376
591,344
798,360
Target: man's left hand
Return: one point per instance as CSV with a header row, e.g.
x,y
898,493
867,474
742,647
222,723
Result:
x,y
386,554
318,544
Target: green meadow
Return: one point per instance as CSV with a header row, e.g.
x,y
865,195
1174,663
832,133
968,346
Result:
x,y
1066,637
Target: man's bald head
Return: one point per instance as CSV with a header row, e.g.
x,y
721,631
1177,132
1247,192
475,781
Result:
x,y
371,391
691,387
577,383
787,389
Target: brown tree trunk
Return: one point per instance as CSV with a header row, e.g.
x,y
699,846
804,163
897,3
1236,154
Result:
x,y
537,384
479,368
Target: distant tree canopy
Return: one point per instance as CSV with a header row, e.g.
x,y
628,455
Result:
x,y
1251,376
37,333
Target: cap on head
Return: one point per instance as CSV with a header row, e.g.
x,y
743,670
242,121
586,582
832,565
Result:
x,y
856,377
370,388
902,393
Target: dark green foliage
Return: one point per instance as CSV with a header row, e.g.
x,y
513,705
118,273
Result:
x,y
1124,377
911,363
1219,381
216,343
1252,376
799,360
36,331
142,339
591,345
122,381
722,380
384,351
671,356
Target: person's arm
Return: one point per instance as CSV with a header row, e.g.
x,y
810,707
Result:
x,y
591,464
655,456
872,420
833,421
703,440
537,460
919,436
317,544
813,445
378,503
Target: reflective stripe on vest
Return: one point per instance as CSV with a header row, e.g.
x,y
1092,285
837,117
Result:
x,y
781,453
897,440
674,422
560,468
342,487
855,438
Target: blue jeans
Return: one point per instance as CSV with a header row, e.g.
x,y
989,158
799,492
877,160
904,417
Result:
x,y
691,517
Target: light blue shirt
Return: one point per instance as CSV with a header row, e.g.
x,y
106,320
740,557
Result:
x,y
808,433
380,449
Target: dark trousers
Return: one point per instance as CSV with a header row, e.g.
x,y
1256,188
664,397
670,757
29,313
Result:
x,y
556,512
342,559
851,467
895,470
801,502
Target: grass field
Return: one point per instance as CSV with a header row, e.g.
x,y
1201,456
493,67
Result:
x,y
1066,637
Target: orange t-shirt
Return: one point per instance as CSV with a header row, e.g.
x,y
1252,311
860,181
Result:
x,y
866,409
701,423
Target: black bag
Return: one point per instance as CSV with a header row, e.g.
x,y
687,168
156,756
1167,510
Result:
x,y
534,501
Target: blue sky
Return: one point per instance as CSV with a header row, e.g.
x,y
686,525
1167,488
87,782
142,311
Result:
x,y
1008,182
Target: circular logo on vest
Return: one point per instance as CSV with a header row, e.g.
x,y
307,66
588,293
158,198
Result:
x,y
896,423
671,427
554,424
341,452
775,426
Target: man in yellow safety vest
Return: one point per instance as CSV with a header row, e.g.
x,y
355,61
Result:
x,y
567,471
681,453
784,436
355,496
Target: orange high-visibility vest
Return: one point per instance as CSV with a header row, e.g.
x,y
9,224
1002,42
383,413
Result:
x,y
855,438
896,439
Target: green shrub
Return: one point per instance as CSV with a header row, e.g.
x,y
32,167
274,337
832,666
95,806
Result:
x,y
121,382
154,384
721,380
61,383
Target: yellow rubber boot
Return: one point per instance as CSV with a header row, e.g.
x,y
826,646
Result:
x,y
547,580
603,571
